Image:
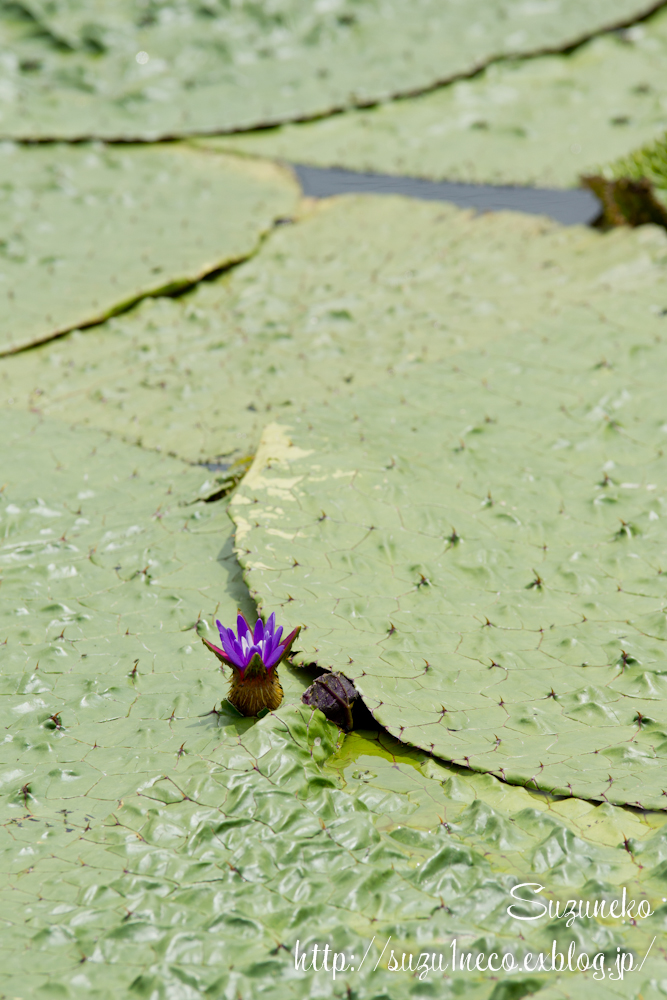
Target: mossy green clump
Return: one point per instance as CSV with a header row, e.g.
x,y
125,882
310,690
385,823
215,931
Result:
x,y
649,162
633,189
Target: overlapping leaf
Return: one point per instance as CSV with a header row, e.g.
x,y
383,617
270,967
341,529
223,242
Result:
x,y
543,121
480,547
87,230
153,848
150,70
361,285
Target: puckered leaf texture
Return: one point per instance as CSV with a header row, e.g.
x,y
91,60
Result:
x,y
153,847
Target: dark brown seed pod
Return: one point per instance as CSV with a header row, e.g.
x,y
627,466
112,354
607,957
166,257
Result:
x,y
334,695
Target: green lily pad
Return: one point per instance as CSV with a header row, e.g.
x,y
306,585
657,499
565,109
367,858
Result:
x,y
542,121
477,545
125,69
150,844
85,231
361,285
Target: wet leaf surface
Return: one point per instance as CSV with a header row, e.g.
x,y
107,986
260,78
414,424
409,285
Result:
x,y
85,231
155,847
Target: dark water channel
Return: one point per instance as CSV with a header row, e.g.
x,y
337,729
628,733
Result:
x,y
567,207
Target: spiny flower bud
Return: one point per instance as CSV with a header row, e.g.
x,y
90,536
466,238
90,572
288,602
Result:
x,y
253,658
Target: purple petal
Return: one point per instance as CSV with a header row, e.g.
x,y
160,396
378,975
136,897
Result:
x,y
275,649
228,642
271,659
242,626
238,648
226,634
271,640
236,660
251,652
232,647
263,641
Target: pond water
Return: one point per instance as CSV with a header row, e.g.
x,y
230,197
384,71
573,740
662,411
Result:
x,y
569,207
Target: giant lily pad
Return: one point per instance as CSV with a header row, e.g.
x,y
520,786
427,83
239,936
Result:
x,y
127,69
230,850
478,546
541,121
361,285
150,845
85,231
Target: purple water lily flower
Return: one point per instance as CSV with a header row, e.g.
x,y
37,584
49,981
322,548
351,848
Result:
x,y
238,650
263,642
254,657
